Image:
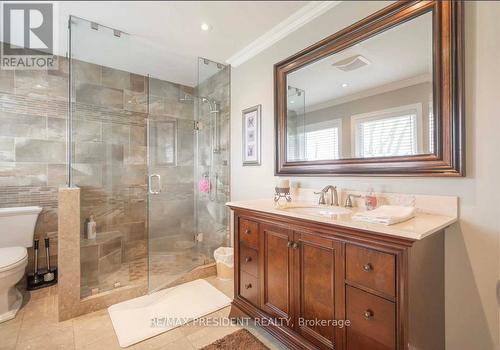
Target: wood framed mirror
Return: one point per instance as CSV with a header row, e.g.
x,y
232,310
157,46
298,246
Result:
x,y
382,97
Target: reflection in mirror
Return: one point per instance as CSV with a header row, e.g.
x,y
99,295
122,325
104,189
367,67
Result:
x,y
373,99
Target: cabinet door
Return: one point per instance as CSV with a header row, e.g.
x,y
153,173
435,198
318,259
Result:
x,y
276,257
318,277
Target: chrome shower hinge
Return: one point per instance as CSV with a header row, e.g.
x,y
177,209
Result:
x,y
196,126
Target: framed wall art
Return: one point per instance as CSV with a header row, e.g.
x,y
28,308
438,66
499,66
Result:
x,y
252,135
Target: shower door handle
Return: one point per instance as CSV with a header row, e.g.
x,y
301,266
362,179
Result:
x,y
150,183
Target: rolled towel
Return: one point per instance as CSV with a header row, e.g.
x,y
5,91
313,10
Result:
x,y
386,215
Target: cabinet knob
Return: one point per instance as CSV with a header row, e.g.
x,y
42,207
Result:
x,y
368,315
248,259
295,245
289,244
248,286
367,267
247,231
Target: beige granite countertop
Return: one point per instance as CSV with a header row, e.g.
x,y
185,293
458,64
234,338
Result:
x,y
421,226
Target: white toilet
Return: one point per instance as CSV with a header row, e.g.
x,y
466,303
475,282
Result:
x,y
17,227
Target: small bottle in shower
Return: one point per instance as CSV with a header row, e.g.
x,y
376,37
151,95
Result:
x,y
91,228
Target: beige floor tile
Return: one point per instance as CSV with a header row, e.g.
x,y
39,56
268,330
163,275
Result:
x,y
9,332
40,310
38,325
51,340
10,327
180,344
208,335
8,342
216,318
93,327
40,319
39,330
108,342
159,341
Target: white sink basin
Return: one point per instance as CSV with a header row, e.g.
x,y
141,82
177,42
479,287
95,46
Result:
x,y
316,210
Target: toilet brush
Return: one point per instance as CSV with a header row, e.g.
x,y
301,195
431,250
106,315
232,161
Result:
x,y
41,278
36,277
49,275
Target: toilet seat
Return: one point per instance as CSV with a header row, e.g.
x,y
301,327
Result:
x,y
11,257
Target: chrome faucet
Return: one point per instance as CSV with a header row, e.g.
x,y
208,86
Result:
x,y
334,198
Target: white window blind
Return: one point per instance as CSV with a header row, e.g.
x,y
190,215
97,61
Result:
x,y
292,143
322,144
387,133
320,141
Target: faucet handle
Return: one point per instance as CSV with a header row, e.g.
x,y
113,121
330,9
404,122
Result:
x,y
321,197
348,200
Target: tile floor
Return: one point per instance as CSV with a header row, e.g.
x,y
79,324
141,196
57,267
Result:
x,y
36,327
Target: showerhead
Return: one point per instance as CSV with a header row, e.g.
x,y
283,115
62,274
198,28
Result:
x,y
212,104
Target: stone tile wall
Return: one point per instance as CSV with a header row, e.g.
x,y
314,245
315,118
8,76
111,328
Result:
x,y
33,108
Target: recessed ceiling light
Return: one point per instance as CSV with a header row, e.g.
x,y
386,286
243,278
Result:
x,y
344,85
205,27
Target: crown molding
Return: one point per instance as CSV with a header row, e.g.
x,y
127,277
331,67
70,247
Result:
x,y
298,19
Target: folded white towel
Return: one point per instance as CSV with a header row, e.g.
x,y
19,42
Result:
x,y
386,215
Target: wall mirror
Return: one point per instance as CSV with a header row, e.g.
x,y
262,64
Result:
x,y
381,97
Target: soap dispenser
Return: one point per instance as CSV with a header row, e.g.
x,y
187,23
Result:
x,y
370,200
91,228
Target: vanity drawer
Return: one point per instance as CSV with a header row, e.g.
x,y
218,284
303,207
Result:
x,y
249,288
373,321
249,233
371,268
249,260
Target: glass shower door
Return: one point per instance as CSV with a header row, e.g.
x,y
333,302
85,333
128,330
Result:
x,y
172,248
188,173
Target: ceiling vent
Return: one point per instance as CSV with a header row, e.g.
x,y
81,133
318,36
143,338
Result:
x,y
352,63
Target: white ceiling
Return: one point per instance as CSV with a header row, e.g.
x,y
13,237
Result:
x,y
402,54
166,38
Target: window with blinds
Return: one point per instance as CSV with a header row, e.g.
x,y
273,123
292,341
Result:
x,y
322,144
320,141
387,133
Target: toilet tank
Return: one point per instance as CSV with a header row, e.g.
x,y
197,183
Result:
x,y
17,226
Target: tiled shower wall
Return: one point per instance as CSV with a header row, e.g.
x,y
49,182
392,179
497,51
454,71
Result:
x,y
109,147
33,109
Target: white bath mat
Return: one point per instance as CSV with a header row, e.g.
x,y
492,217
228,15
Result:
x,y
144,317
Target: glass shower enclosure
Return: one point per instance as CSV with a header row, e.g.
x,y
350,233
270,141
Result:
x,y
151,159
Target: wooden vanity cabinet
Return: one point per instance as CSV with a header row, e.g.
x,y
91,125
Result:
x,y
299,279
